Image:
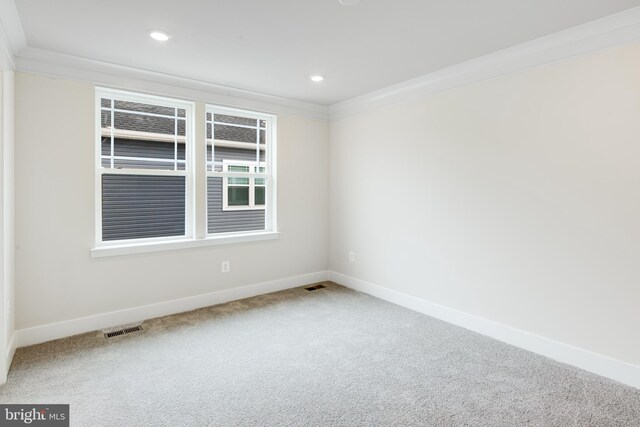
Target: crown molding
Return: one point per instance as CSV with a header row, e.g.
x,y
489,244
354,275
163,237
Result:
x,y
614,30
12,37
38,61
618,29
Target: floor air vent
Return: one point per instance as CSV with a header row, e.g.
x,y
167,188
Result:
x,y
124,331
316,287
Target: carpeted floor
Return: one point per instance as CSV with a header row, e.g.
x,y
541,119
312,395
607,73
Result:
x,y
322,358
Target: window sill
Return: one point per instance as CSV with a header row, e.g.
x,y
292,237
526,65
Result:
x,y
136,248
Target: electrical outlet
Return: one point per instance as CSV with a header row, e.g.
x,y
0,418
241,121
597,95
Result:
x,y
226,266
352,256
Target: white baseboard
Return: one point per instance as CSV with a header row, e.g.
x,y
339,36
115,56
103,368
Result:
x,y
52,331
605,366
11,351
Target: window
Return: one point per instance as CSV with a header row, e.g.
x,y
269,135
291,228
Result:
x,y
239,170
242,193
143,168
146,177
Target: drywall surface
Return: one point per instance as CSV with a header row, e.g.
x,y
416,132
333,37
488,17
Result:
x,y
57,277
514,199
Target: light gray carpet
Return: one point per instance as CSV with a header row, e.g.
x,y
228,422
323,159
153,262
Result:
x,y
322,358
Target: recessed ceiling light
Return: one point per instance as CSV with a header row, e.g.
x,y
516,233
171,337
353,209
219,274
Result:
x,y
349,2
316,78
161,36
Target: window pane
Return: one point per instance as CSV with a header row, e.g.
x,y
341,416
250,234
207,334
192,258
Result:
x,y
144,108
142,206
235,149
238,196
138,154
259,196
238,168
147,149
221,221
209,159
223,118
105,144
151,124
238,181
226,154
234,133
105,118
146,136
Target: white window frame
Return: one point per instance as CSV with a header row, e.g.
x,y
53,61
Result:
x,y
196,173
252,186
188,171
270,147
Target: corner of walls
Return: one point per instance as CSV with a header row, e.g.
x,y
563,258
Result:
x,y
487,220
9,28
11,351
8,214
599,364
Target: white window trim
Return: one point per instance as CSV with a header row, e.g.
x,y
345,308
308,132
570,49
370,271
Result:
x,y
194,179
181,244
252,185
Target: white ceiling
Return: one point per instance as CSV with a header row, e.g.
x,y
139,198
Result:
x,y
273,46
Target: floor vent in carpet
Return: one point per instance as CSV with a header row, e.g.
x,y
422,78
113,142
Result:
x,y
316,287
124,331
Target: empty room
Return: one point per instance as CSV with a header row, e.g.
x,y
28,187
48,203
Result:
x,y
320,213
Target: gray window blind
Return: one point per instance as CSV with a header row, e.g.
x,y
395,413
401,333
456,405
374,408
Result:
x,y
142,206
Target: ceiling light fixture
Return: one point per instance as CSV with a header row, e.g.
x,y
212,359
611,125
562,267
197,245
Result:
x,y
316,78
161,36
349,2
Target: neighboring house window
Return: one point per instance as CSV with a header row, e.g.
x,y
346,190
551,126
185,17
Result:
x,y
146,178
242,193
144,172
240,171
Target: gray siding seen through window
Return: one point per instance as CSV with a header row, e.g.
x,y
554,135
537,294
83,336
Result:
x,y
219,221
142,206
132,190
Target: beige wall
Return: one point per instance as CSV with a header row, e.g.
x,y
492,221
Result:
x,y
57,278
515,199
